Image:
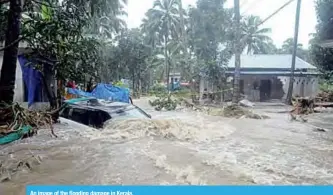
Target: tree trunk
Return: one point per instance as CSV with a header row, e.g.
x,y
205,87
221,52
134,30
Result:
x,y
236,93
8,70
139,81
49,92
133,83
47,79
167,68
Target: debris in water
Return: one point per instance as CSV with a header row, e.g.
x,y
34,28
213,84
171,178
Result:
x,y
326,96
188,104
320,129
246,103
301,106
5,177
164,101
235,111
13,118
12,166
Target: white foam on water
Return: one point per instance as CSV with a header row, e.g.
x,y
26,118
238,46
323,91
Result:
x,y
184,175
174,129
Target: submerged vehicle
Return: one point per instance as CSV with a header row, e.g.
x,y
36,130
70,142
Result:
x,y
95,112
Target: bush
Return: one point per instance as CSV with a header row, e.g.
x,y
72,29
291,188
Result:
x,y
326,86
164,101
158,88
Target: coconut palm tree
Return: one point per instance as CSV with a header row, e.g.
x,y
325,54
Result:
x,y
151,31
288,46
256,40
164,20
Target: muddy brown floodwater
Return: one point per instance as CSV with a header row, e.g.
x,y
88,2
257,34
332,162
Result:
x,y
177,147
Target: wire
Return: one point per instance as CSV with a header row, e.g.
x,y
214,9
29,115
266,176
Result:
x,y
277,11
251,6
267,18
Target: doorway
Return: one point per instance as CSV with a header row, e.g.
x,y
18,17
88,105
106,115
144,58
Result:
x,y
241,87
265,90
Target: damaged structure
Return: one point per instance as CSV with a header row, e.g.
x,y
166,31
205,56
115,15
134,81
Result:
x,y
267,77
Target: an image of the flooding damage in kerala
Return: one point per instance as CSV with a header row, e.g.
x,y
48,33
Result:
x,y
165,92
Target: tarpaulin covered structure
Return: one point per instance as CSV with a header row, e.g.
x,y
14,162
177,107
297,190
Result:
x,y
104,91
32,79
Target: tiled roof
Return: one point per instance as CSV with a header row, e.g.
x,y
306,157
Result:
x,y
270,61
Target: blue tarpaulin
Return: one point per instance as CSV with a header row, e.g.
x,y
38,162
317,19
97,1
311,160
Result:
x,y
106,92
32,79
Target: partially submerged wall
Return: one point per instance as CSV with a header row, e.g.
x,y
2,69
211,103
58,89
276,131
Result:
x,y
303,86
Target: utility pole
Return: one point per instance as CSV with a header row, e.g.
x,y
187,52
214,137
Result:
x,y
291,79
237,47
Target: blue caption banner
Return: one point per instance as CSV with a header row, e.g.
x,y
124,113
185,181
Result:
x,y
179,190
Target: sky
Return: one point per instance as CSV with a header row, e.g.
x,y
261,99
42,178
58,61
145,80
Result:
x,y
282,24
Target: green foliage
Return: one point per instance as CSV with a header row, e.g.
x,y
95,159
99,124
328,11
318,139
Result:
x,y
158,89
54,33
162,26
83,38
164,101
323,57
326,86
66,34
324,15
120,84
258,42
127,59
288,46
210,38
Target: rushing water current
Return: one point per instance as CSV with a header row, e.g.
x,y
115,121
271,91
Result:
x,y
177,147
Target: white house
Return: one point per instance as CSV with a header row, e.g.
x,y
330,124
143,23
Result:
x,y
266,77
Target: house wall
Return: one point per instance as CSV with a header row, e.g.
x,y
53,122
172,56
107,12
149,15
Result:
x,y
174,76
303,86
252,93
205,84
19,87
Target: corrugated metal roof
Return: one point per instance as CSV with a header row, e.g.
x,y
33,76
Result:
x,y
278,73
270,61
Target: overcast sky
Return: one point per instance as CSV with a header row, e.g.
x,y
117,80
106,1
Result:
x,y
282,24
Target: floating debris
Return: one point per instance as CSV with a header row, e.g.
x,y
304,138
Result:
x,y
21,122
164,101
235,111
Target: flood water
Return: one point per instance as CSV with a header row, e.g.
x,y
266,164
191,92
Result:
x,y
177,147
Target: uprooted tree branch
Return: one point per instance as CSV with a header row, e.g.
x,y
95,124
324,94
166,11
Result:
x,y
25,122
